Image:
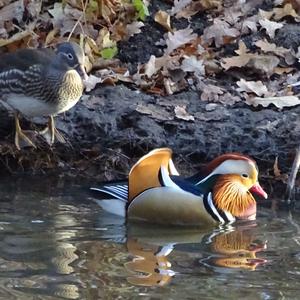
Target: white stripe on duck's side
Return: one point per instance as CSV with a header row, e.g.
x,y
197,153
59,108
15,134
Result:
x,y
166,179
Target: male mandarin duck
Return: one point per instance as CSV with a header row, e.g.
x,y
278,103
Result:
x,y
155,193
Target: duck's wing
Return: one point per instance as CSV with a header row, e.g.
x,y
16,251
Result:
x,y
25,62
112,197
115,190
143,175
146,173
23,59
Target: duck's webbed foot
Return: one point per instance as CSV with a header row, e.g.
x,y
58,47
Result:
x,y
23,138
50,133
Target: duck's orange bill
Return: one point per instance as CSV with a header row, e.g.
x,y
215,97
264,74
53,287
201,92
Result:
x,y
257,189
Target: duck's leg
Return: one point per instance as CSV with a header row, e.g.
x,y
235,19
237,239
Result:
x,y
53,132
19,135
51,126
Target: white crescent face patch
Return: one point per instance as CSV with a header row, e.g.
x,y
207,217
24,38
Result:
x,y
232,166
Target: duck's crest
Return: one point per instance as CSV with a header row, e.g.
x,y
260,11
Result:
x,y
220,159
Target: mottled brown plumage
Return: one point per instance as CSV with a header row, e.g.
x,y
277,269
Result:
x,y
41,82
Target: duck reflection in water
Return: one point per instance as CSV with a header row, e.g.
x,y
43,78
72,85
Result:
x,y
235,250
152,261
228,248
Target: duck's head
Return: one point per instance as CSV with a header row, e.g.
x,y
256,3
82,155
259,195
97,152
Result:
x,y
235,179
71,54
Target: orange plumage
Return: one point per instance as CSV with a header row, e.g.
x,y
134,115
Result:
x,y
231,193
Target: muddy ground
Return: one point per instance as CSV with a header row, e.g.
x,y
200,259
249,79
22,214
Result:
x,y
109,129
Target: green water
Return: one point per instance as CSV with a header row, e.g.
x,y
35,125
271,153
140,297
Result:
x,y
55,243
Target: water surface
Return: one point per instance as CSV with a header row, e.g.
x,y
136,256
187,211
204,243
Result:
x,y
55,243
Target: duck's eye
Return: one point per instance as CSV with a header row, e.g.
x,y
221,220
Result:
x,y
70,56
245,175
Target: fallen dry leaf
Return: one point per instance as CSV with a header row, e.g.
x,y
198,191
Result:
x,y
270,27
265,63
195,7
277,172
228,99
11,11
268,47
167,62
154,111
150,68
134,28
287,54
179,5
263,14
280,102
249,26
210,92
33,8
163,18
51,36
242,49
287,10
65,18
276,169
182,114
218,32
179,38
192,64
256,87
237,61
232,15
281,71
104,39
91,82
18,36
170,86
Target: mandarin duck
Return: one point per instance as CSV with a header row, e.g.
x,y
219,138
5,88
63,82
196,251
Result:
x,y
41,82
155,193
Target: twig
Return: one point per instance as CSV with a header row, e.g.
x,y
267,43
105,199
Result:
x,y
292,177
84,6
74,27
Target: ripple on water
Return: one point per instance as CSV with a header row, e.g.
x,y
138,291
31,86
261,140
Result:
x,y
56,243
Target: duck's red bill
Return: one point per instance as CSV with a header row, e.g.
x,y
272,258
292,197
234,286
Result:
x,y
257,189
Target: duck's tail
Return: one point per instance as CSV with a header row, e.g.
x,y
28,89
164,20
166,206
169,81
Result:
x,y
112,197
